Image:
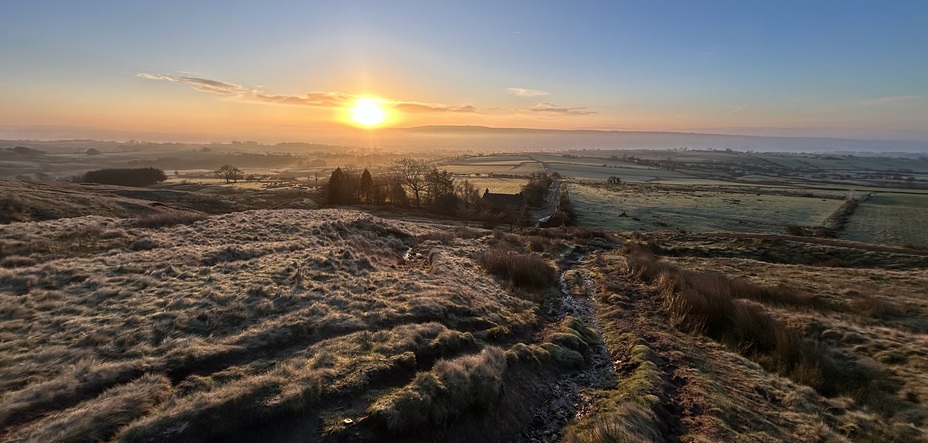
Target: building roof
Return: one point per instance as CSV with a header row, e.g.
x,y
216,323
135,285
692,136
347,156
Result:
x,y
504,201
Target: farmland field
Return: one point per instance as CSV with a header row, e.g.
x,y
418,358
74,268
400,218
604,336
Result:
x,y
700,209
498,185
494,164
891,219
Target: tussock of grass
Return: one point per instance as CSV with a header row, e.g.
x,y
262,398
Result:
x,y
16,261
567,345
166,219
522,270
83,380
444,393
100,418
708,304
628,412
645,266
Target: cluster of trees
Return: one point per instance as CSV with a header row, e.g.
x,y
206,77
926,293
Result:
x,y
125,177
536,191
409,183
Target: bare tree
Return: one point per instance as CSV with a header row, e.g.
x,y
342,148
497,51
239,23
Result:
x,y
229,173
412,174
467,193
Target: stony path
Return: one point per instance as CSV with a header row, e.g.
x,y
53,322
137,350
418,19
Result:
x,y
567,399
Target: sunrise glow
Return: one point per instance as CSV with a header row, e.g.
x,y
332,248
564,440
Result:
x,y
325,72
368,112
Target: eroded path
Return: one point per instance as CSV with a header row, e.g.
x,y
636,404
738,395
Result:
x,y
569,397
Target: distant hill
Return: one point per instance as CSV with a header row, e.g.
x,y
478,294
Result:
x,y
509,139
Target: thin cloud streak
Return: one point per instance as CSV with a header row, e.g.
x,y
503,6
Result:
x,y
891,100
522,92
311,99
199,84
551,108
431,108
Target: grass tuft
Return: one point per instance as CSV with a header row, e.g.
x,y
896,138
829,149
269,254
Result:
x,y
441,395
711,304
166,219
100,418
523,270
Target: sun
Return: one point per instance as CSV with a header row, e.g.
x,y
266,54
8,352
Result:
x,y
368,112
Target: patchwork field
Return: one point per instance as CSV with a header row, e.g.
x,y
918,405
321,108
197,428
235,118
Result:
x,y
700,208
890,218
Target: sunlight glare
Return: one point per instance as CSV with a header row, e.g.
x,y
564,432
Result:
x,y
368,112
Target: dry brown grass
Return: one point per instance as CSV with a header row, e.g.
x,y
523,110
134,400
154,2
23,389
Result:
x,y
250,316
709,304
687,385
522,270
166,219
854,334
101,418
439,396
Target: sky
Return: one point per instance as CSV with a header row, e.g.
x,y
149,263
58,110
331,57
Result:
x,y
291,71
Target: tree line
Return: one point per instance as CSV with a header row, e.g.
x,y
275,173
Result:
x,y
411,183
125,176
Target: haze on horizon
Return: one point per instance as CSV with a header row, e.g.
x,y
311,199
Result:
x,y
294,71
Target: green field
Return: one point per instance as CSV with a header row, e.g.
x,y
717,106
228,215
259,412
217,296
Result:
x,y
891,219
700,209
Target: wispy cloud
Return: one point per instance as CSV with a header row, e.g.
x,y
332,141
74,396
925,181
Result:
x,y
431,108
522,92
200,84
891,100
311,99
314,99
551,108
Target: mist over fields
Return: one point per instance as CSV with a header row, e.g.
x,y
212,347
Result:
x,y
482,139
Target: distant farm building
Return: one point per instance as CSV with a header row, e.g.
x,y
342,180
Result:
x,y
505,202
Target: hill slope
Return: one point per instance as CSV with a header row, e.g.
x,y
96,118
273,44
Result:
x,y
335,325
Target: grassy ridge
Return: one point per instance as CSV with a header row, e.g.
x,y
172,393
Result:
x,y
247,323
737,323
240,319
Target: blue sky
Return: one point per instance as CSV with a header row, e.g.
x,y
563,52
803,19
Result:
x,y
844,69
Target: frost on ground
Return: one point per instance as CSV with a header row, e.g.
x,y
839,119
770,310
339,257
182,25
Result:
x,y
239,321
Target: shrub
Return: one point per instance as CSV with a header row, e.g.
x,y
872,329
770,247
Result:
x,y
126,177
523,270
539,244
443,237
467,233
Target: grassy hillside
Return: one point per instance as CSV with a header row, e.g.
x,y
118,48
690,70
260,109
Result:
x,y
23,200
751,348
337,325
274,324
